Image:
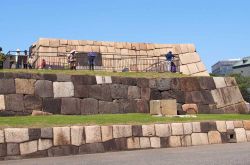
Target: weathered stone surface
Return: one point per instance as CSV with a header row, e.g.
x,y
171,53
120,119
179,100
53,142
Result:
x,y
50,77
63,89
248,135
110,145
63,150
177,128
1,136
189,84
121,143
221,126
52,105
107,133
7,86
163,84
136,130
11,135
133,143
145,142
93,134
230,81
241,108
141,106
208,126
155,142
44,88
196,126
25,86
187,128
91,148
143,82
28,147
14,102
155,107
13,149
103,80
148,130
168,107
240,135
32,102
2,103
77,135
34,133
174,141
238,124
100,92
61,136
155,94
246,124
47,133
44,144
190,108
120,131
89,106
119,91
3,150
230,125
206,83
214,137
81,91
83,80
63,78
219,82
199,139
128,81
186,141
70,106
145,93
163,130
108,107
134,92
40,113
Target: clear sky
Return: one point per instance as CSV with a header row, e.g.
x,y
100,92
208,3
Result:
x,y
220,29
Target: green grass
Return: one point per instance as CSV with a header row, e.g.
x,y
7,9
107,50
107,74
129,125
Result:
x,y
109,119
100,73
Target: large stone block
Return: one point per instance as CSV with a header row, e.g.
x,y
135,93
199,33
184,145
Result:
x,y
145,93
187,128
248,135
208,126
103,80
163,130
2,103
34,133
246,124
214,137
63,77
206,83
190,108
134,92
107,133
70,106
89,106
221,126
230,125
7,86
119,91
100,92
196,126
136,130
155,142
155,94
155,107
77,135
81,91
1,136
25,86
133,143
130,81
219,82
93,134
230,81
83,80
28,147
163,84
13,149
148,130
11,135
168,107
145,142
186,141
192,68
238,124
189,84
108,107
32,102
91,148
177,128
61,136
63,150
120,131
141,106
63,89
50,77
52,105
3,150
174,141
44,144
199,139
47,133
44,88
14,102
143,82
240,135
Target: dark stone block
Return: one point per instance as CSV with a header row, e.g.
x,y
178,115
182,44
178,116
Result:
x,y
23,75
241,108
91,148
3,149
164,142
128,81
38,154
163,84
206,83
203,109
1,75
168,94
121,144
34,133
44,88
126,106
89,106
81,91
141,106
100,92
224,137
52,105
152,83
9,75
175,84
207,97
50,77
14,113
108,107
208,126
13,149
155,94
116,80
110,145
145,93
63,78
37,76
189,84
63,150
32,102
47,133
14,102
70,106
7,86
119,91
143,82
136,130
83,80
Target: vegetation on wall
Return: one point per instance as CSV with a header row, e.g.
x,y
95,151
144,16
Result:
x,y
244,84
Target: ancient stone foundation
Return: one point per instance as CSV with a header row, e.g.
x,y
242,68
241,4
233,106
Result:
x,y
21,93
17,143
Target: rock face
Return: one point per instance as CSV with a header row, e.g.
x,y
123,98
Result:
x,y
7,86
25,86
11,135
63,89
44,88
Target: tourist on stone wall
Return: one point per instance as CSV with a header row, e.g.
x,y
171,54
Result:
x,y
72,60
91,60
169,58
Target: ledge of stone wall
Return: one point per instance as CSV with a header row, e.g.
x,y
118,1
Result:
x,y
17,143
21,93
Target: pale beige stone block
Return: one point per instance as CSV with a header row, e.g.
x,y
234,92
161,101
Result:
x,y
44,144
145,142
177,128
16,135
107,133
214,137
155,142
93,134
148,130
133,143
61,136
77,135
28,147
163,130
120,131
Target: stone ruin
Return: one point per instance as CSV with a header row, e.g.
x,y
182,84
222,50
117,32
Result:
x,y
120,55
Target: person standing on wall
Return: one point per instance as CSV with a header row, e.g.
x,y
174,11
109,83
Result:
x,y
72,60
169,58
91,60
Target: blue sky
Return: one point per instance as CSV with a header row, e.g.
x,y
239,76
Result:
x,y
218,28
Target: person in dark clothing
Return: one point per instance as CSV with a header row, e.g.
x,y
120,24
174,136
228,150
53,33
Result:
x,y
91,60
169,58
43,64
173,67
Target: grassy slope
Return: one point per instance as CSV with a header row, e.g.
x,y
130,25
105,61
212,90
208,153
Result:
x,y
60,120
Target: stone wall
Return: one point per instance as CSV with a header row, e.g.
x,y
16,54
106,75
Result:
x,y
147,53
16,143
21,93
